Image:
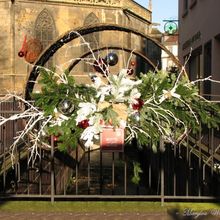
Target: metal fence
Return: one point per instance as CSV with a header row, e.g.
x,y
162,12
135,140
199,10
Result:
x,y
187,171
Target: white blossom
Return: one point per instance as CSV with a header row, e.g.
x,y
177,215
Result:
x,y
97,82
92,132
134,95
86,109
102,92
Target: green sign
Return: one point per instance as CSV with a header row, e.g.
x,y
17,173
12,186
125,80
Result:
x,y
170,27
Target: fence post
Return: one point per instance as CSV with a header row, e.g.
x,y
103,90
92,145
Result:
x,y
161,171
4,158
52,169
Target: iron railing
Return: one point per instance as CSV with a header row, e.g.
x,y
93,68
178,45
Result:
x,y
187,171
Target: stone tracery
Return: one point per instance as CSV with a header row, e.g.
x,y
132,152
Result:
x,y
99,2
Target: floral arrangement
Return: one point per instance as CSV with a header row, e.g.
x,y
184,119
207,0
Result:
x,y
148,107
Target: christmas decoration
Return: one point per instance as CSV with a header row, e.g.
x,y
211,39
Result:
x,y
138,104
133,63
130,71
30,50
66,107
136,116
84,124
111,59
147,108
93,78
55,138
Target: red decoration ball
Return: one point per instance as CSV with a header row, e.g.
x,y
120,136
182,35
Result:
x,y
100,65
133,63
30,50
130,71
138,105
84,124
21,54
55,138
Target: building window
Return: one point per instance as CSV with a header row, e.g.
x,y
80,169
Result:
x,y
193,3
92,39
207,68
45,31
195,66
185,7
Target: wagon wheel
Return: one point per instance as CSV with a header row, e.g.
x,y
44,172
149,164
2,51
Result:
x,y
76,33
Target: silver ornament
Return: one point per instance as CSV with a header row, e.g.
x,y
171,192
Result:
x,y
66,107
93,78
136,116
111,59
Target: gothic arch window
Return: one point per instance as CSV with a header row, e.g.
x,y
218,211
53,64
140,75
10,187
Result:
x,y
92,39
45,30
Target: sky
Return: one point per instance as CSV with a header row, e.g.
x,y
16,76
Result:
x,y
162,10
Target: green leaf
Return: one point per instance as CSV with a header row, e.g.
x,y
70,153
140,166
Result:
x,y
136,173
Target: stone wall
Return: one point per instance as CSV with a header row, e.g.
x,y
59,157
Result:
x,y
19,19
6,45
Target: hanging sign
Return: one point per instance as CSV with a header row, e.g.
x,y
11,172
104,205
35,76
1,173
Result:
x,y
170,28
112,139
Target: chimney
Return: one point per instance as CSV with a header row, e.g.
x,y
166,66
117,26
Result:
x,y
150,5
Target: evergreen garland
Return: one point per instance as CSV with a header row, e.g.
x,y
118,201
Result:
x,y
152,106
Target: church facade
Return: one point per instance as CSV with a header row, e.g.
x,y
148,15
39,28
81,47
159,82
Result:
x,y
46,20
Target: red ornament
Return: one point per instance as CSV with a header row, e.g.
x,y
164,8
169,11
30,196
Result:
x,y
138,105
130,71
84,124
30,49
100,65
133,63
55,138
23,49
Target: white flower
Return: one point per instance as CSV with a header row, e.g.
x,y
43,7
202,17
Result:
x,y
92,132
121,85
97,82
134,95
89,134
86,109
103,91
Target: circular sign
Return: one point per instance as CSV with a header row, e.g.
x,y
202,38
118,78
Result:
x,y
170,27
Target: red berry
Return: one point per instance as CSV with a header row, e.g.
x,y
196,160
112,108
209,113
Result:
x,y
84,124
133,63
138,105
55,138
20,53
